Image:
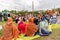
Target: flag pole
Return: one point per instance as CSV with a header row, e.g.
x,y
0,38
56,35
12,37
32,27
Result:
x,y
32,7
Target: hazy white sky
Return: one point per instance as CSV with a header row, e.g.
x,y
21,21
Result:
x,y
27,4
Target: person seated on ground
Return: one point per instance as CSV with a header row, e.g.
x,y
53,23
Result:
x,y
31,27
36,21
53,18
21,26
58,20
10,32
16,18
43,27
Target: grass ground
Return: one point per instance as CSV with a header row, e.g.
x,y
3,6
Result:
x,y
54,36
1,23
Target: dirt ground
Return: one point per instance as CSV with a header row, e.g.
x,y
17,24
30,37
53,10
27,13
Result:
x,y
54,36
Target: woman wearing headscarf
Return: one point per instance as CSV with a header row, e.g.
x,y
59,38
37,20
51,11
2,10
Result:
x,y
21,26
43,27
31,28
53,18
10,32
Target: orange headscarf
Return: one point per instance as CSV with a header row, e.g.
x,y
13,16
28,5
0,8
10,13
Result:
x,y
9,21
9,31
50,12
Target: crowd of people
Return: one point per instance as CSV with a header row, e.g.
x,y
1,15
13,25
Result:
x,y
30,25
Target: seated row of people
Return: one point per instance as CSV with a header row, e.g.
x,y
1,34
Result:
x,y
32,27
28,29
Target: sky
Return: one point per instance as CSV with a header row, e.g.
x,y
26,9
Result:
x,y
27,4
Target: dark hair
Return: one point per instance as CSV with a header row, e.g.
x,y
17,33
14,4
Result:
x,y
8,15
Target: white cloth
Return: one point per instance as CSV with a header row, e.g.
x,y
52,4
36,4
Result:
x,y
44,25
1,27
58,20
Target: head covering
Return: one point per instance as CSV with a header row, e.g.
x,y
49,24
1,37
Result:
x,y
31,28
9,31
31,19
